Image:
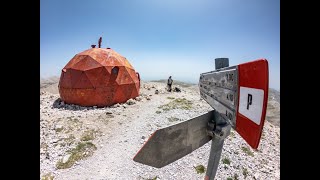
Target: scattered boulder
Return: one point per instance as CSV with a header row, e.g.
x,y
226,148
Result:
x,y
138,98
66,158
157,91
256,175
130,102
58,126
42,151
176,89
54,141
143,95
68,107
115,105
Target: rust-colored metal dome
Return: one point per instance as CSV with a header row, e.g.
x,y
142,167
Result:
x,y
98,77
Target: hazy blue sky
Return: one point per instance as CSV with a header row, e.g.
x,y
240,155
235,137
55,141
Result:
x,y
163,37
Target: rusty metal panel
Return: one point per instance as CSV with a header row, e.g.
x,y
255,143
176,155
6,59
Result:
x,y
75,76
127,90
113,61
119,95
133,75
99,77
78,96
74,60
108,93
135,91
124,76
86,64
65,79
83,82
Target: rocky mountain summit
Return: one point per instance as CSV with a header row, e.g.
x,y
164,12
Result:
x,y
99,143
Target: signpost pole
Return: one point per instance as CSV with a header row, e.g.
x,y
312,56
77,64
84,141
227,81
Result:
x,y
216,148
221,131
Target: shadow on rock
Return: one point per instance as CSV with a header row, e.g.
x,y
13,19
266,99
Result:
x,y
59,104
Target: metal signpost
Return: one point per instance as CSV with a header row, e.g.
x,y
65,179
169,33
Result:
x,y
238,95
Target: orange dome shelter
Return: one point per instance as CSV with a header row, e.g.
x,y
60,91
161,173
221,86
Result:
x,y
98,77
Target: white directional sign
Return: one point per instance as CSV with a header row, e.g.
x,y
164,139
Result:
x,y
239,93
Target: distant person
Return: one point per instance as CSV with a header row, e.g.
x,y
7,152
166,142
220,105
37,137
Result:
x,y
169,83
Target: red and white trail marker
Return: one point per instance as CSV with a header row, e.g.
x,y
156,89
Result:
x,y
240,94
253,88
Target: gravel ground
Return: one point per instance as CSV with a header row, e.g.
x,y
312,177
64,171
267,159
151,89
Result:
x,y
117,133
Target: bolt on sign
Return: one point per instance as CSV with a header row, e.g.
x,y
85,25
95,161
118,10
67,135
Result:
x,y
238,95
